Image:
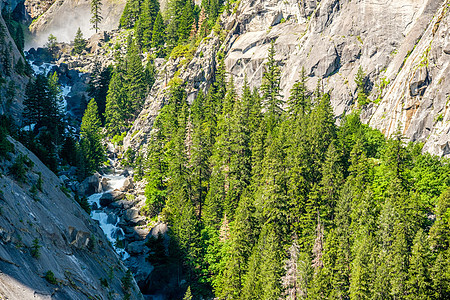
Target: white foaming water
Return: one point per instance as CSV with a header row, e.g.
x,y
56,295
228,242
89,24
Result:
x,y
115,181
42,69
109,222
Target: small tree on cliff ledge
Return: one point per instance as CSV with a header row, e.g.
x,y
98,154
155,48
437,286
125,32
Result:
x,y
96,17
79,43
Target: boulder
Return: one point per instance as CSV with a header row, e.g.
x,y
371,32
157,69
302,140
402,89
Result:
x,y
120,204
90,185
106,199
63,68
127,184
131,214
141,270
117,195
64,178
419,82
136,248
104,183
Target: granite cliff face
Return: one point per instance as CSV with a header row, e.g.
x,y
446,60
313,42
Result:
x,y
402,46
70,244
12,84
63,18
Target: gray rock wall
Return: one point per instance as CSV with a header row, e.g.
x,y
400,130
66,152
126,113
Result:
x,y
72,245
14,107
331,39
64,17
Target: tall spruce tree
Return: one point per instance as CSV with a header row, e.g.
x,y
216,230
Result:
x,y
115,101
135,85
147,18
130,14
158,36
270,88
96,17
186,20
90,140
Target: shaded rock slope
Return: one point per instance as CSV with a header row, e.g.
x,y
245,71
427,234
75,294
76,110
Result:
x,y
12,84
402,46
71,245
63,18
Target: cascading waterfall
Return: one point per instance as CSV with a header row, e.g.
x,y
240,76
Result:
x,y
107,220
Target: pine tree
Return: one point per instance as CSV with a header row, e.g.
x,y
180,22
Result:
x,y
186,20
51,44
147,18
115,101
19,38
360,283
188,295
199,154
174,14
158,36
135,85
270,89
79,43
90,141
96,16
419,282
271,268
441,276
98,87
299,101
130,14
321,131
242,239
41,104
440,231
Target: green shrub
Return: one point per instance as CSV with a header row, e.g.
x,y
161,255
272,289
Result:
x,y
66,191
35,249
439,118
34,192
91,243
83,203
180,51
118,139
126,283
50,277
104,282
20,167
39,182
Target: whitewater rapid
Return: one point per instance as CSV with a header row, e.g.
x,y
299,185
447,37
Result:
x,y
108,221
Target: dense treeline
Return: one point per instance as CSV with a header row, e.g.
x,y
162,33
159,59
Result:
x,y
182,23
270,200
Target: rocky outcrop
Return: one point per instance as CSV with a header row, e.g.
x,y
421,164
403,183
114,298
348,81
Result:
x,y
196,74
64,17
36,8
45,230
402,46
417,101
